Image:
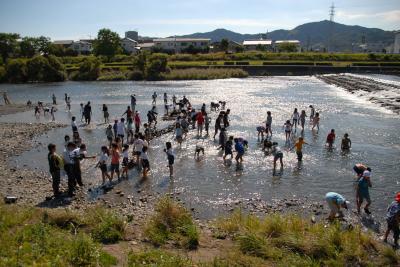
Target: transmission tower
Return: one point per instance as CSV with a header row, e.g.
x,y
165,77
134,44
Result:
x,y
331,22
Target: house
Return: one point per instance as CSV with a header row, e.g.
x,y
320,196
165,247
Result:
x,y
64,43
129,45
181,44
146,46
277,43
252,45
232,47
82,47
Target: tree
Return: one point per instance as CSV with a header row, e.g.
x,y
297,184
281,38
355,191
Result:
x,y
156,66
27,47
107,43
224,45
42,45
287,47
55,70
45,69
89,70
36,68
16,70
139,61
8,44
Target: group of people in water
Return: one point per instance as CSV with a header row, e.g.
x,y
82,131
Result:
x,y
128,145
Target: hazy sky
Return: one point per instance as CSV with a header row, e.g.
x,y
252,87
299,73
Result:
x,y
73,19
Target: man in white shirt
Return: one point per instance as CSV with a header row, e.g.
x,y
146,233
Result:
x,y
121,129
138,147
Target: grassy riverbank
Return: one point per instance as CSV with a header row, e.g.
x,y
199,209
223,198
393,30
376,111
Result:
x,y
158,66
170,237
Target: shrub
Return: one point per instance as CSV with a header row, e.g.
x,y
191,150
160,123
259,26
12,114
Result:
x,y
205,74
3,74
156,66
16,71
112,76
172,222
83,251
156,258
135,75
42,69
89,70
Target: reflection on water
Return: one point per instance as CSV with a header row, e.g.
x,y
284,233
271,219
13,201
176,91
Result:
x,y
208,184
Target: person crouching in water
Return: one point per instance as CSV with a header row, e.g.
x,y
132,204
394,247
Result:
x,y
362,192
335,202
102,164
145,161
239,150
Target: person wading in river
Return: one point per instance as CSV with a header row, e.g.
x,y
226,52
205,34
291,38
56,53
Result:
x,y
87,112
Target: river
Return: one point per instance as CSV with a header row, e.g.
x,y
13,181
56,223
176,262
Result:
x,y
208,184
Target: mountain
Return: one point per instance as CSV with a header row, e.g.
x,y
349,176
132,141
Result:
x,y
312,35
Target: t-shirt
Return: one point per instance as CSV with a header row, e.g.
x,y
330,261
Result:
x,y
269,120
200,118
299,145
295,115
363,186
121,128
170,152
276,150
288,127
178,132
104,158
115,157
346,143
138,143
53,162
73,124
330,138
335,197
239,148
125,153
129,113
75,155
393,210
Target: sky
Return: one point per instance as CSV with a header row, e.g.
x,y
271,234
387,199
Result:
x,y
81,19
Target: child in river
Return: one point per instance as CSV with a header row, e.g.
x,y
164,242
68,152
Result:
x,y
312,113
178,134
299,148
102,164
260,132
303,116
207,121
222,139
239,149
295,118
346,142
114,161
315,121
145,161
125,160
228,147
171,158
73,124
288,130
268,124
110,135
115,128
278,154
330,139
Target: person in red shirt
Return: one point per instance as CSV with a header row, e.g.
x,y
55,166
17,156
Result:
x,y
200,123
330,139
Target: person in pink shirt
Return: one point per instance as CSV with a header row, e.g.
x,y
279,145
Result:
x,y
137,122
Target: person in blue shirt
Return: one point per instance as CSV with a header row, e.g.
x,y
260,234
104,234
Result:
x,y
239,149
393,220
335,202
362,192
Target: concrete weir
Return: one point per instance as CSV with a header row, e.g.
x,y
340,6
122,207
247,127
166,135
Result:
x,y
385,94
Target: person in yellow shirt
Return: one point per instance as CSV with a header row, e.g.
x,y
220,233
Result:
x,y
299,147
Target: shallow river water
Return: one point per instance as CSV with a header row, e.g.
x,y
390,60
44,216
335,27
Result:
x,y
208,184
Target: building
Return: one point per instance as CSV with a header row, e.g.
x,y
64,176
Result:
x,y
252,45
232,47
146,46
132,35
129,45
181,44
64,43
277,43
378,47
82,47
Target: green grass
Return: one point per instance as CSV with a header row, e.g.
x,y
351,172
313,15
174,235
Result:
x,y
36,237
157,258
205,74
173,222
292,241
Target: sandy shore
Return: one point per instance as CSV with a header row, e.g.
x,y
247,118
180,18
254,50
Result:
x,y
13,108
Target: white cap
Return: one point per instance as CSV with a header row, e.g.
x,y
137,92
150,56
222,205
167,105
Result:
x,y
367,174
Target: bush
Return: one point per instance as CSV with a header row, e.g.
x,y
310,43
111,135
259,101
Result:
x,y
16,71
156,258
89,70
156,66
135,75
172,222
3,74
112,76
42,69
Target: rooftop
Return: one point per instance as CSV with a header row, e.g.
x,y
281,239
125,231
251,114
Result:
x,y
146,45
257,42
182,40
287,41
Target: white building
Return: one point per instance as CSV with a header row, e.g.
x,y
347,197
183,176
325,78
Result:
x,y
65,43
180,44
252,45
396,45
82,47
146,46
295,42
129,45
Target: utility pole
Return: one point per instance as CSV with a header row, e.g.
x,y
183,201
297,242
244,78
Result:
x,y
331,23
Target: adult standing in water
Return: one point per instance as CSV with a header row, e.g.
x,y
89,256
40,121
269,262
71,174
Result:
x,y
133,102
105,113
54,99
154,97
362,192
87,111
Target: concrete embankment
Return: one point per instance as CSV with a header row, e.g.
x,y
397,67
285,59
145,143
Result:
x,y
385,94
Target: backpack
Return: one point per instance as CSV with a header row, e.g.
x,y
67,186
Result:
x,y
60,161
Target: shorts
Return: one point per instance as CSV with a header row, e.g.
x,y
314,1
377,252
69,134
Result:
x,y
171,160
103,168
125,162
121,136
363,195
294,121
228,151
106,114
109,138
239,155
200,127
74,128
179,138
393,226
145,163
260,129
278,155
115,167
286,131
